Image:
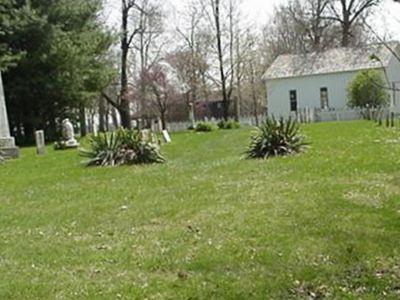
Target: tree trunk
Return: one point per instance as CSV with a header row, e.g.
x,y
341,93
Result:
x,y
114,118
345,35
346,27
102,114
92,124
124,105
225,99
163,120
82,120
28,134
253,93
237,106
108,115
238,99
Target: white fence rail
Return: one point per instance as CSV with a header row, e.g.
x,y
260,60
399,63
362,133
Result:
x,y
306,115
311,115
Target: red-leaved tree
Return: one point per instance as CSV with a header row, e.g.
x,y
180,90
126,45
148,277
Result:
x,y
158,81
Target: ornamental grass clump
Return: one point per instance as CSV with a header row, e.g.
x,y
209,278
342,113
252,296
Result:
x,y
204,127
230,124
122,147
276,138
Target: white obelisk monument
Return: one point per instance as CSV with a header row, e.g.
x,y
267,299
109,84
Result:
x,y
7,142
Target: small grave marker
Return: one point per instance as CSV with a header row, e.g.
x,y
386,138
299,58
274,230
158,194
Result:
x,y
145,135
40,143
166,136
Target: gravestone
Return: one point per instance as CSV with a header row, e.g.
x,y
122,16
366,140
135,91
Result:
x,y
7,142
166,136
68,134
67,140
40,144
145,135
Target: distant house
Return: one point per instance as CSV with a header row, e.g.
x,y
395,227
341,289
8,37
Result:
x,y
212,108
320,80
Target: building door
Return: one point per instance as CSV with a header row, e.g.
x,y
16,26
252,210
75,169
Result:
x,y
293,100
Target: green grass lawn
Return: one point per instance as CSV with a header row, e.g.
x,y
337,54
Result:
x,y
208,224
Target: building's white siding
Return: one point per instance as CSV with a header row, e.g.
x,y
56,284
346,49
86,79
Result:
x,y
308,90
393,72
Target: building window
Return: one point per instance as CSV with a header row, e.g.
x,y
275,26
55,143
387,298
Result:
x,y
324,98
293,100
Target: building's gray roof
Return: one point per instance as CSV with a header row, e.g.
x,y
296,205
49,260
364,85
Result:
x,y
331,61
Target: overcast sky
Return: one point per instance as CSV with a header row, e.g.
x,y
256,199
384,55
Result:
x,y
387,19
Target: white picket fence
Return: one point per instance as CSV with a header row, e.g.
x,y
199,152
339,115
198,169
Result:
x,y
311,115
305,115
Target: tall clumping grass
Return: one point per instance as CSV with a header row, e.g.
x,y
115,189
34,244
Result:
x,y
230,124
276,138
122,147
204,127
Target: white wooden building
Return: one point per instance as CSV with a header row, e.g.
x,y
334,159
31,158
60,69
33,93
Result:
x,y
320,80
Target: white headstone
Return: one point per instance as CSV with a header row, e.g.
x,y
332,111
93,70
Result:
x,y
68,134
145,135
40,143
7,142
166,136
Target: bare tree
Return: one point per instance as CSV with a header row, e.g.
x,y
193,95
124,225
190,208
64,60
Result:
x,y
190,58
254,68
310,19
223,18
239,77
140,27
148,45
300,26
122,103
348,13
216,10
282,35
161,89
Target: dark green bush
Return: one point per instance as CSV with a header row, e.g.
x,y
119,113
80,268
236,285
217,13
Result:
x,y
123,147
231,124
204,127
276,138
367,89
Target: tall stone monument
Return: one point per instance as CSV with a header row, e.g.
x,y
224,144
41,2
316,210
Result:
x,y
7,142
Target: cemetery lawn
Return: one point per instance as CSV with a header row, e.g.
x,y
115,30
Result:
x,y
208,224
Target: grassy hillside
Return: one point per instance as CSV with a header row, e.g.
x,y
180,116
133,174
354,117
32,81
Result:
x,y
208,224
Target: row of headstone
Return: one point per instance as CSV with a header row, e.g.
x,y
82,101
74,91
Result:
x,y
70,142
7,142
